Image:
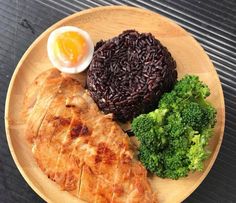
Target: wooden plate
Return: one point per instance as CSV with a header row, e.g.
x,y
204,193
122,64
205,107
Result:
x,y
105,23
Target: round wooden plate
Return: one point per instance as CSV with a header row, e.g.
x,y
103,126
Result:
x,y
105,23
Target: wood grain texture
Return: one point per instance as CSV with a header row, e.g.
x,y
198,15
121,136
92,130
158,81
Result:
x,y
104,23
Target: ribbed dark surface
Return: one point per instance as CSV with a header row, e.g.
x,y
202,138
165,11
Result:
x,y
211,22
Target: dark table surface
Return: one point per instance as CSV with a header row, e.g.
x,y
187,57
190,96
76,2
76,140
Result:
x,y
211,22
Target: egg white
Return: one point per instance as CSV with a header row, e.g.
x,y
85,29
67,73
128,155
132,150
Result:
x,y
82,65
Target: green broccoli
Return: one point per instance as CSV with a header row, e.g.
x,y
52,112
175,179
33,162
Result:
x,y
197,152
143,124
150,159
173,138
175,164
191,87
198,116
143,128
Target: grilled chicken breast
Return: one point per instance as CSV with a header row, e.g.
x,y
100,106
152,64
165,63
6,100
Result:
x,y
79,147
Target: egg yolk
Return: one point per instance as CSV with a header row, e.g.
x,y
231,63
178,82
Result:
x,y
70,48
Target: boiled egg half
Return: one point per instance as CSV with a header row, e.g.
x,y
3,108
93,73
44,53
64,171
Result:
x,y
70,49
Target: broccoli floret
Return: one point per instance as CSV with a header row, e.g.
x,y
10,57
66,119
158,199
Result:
x,y
193,115
173,138
188,88
191,87
151,160
142,124
175,164
158,115
209,115
169,101
148,132
174,126
197,152
198,116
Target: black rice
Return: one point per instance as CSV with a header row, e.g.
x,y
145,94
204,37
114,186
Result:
x,y
129,73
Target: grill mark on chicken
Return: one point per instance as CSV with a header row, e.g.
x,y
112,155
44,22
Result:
x,y
104,154
62,121
95,163
70,105
79,130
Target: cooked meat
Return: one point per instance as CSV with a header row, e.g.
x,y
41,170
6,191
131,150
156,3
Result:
x,y
40,102
80,148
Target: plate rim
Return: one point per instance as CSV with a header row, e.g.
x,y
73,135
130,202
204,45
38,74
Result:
x,y
64,20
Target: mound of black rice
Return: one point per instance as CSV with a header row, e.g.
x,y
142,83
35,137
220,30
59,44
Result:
x,y
129,73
